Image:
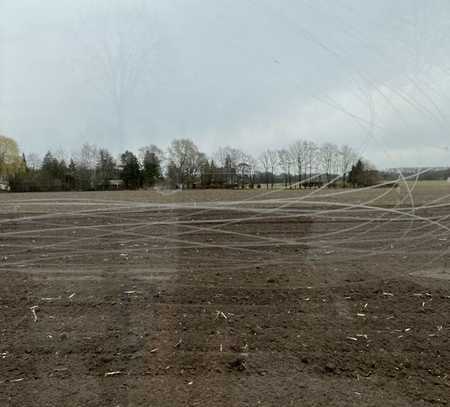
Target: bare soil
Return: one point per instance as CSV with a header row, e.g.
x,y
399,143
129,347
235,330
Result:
x,y
224,298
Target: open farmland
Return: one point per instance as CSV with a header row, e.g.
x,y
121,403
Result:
x,y
226,298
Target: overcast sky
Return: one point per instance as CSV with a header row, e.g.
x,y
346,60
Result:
x,y
253,74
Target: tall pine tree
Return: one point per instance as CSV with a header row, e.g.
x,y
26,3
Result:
x,y
131,171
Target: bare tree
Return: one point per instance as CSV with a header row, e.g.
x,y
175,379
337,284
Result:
x,y
86,161
229,159
347,158
228,154
284,158
327,159
252,166
185,157
88,156
274,162
297,151
266,164
310,158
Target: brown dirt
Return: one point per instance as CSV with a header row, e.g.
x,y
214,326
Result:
x,y
196,305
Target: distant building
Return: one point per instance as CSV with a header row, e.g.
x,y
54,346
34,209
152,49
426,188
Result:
x,y
116,184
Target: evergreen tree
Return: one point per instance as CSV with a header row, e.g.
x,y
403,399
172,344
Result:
x,y
356,174
72,176
25,164
205,174
50,173
151,169
131,172
48,163
363,175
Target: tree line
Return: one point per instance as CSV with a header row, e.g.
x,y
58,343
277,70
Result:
x,y
303,164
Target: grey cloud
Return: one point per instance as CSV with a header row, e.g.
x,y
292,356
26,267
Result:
x,y
248,73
